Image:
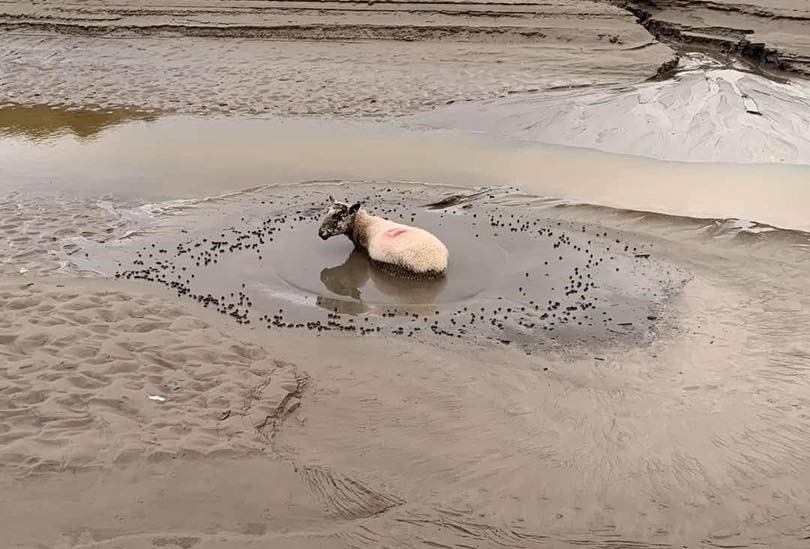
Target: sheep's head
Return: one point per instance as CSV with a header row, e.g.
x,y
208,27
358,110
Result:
x,y
339,219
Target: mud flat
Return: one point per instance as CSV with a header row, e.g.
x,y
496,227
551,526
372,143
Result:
x,y
589,288
123,402
615,360
325,58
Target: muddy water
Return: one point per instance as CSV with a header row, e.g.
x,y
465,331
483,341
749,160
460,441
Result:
x,y
513,279
138,156
45,123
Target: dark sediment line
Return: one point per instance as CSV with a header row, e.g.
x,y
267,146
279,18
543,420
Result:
x,y
290,32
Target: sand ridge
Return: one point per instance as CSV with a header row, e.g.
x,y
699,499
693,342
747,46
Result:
x,y
372,79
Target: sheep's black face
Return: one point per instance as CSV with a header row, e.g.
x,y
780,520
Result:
x,y
338,220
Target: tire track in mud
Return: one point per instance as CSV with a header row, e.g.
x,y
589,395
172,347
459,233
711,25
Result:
x,y
448,529
344,496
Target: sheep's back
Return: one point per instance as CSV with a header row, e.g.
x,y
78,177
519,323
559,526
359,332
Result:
x,y
410,247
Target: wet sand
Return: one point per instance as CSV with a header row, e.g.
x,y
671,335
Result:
x,y
179,408
708,111
314,58
370,79
383,439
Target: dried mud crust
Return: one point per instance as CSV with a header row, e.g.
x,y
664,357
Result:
x,y
94,375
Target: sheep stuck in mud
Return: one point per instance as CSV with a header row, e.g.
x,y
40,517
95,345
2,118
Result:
x,y
400,250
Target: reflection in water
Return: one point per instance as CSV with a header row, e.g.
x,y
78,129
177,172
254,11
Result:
x,y
348,278
351,279
39,122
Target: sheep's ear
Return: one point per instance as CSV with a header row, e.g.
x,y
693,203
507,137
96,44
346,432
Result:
x,y
354,207
332,200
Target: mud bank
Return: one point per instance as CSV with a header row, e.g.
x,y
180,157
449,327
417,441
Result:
x,y
706,112
772,34
322,58
768,33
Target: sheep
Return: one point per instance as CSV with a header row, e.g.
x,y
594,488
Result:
x,y
399,250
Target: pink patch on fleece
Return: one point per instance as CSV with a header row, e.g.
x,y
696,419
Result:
x,y
393,233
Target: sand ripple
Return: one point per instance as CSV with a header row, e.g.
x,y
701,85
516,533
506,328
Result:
x,y
361,78
95,375
36,233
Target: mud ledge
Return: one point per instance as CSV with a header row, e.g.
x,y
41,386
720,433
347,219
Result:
x,y
658,17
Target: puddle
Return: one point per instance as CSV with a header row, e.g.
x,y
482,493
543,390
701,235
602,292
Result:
x,y
514,277
45,122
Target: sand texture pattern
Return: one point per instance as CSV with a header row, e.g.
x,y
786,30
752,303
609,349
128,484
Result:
x,y
617,358
97,376
36,234
333,58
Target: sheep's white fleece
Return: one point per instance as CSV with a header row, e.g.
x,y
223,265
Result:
x,y
407,247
